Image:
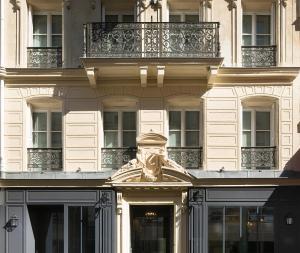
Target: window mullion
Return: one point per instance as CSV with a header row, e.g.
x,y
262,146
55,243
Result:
x,y
183,140
253,29
253,128
49,30
120,129
49,119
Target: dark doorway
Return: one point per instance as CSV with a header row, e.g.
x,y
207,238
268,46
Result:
x,y
151,229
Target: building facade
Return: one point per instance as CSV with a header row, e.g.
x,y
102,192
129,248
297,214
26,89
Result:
x,y
154,126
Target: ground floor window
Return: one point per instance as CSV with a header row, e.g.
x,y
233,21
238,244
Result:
x,y
237,229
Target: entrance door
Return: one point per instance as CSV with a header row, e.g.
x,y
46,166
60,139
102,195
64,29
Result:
x,y
151,229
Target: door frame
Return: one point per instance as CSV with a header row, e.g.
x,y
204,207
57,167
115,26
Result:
x,y
159,197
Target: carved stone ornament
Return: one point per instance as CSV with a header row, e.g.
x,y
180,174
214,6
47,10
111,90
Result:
x,y
67,3
231,4
15,4
206,3
151,163
283,3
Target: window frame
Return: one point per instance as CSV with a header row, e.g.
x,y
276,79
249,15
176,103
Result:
x,y
253,130
49,27
120,15
253,24
183,15
120,129
48,131
183,127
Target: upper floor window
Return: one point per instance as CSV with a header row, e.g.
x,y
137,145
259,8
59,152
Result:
x,y
115,18
257,128
184,128
119,129
47,30
46,129
256,30
182,17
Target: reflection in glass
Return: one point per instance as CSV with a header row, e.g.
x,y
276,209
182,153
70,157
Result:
x,y
215,230
232,229
48,228
81,229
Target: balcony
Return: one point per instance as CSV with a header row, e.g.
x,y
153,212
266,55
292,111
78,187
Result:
x,y
187,157
151,40
258,56
44,57
114,158
259,158
44,159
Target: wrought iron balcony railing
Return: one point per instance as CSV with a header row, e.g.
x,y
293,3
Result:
x,y
44,57
187,157
44,159
259,158
114,158
258,56
151,40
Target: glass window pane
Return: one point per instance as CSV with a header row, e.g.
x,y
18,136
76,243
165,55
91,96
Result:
x,y
111,18
263,138
39,121
39,140
174,120
232,229
128,18
262,120
263,40
215,230
56,123
88,229
246,120
246,139
56,24
40,40
56,140
192,120
174,18
129,139
247,40
174,138
129,121
263,25
247,24
191,18
266,229
39,24
192,139
110,139
110,120
74,229
56,40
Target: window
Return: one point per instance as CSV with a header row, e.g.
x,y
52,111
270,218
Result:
x,y
119,129
46,129
47,30
188,18
115,18
184,129
257,128
241,229
256,30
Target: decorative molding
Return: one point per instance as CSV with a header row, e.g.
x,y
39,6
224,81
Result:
x,y
16,5
119,202
93,4
67,4
92,76
143,75
231,4
283,3
160,76
206,3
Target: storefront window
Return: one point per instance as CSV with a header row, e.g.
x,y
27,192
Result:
x,y
240,229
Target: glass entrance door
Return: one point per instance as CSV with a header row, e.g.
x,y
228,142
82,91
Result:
x,y
151,229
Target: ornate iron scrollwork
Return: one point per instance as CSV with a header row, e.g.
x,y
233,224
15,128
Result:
x,y
44,159
259,56
258,158
187,157
115,158
44,57
152,40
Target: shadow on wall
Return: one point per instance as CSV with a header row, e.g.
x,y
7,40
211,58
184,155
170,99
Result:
x,y
292,167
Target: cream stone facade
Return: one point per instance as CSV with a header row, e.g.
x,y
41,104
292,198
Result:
x,y
121,117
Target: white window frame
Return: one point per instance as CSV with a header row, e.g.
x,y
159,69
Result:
x,y
253,32
183,129
48,131
253,111
49,26
120,125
